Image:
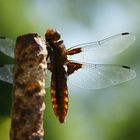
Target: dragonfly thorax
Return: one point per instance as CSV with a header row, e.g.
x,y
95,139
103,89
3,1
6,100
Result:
x,y
56,48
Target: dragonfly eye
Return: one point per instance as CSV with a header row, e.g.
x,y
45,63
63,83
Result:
x,y
52,35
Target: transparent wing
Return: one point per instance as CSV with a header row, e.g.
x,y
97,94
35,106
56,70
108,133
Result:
x,y
94,51
48,78
6,73
97,76
7,46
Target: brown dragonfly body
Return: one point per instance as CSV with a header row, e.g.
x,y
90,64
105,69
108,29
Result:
x,y
60,68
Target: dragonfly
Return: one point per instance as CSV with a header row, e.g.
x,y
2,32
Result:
x,y
76,65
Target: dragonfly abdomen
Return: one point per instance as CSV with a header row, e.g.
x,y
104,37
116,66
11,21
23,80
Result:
x,y
59,96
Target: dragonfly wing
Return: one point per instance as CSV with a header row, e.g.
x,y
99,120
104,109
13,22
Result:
x,y
48,78
7,46
97,76
94,51
6,73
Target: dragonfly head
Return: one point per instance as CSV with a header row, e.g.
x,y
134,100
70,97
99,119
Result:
x,y
52,35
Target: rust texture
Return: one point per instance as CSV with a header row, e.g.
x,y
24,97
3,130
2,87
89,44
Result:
x,y
28,88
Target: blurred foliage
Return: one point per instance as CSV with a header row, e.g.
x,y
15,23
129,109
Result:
x,y
108,114
4,128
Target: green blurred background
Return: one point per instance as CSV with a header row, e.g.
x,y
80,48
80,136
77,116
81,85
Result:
x,y
107,114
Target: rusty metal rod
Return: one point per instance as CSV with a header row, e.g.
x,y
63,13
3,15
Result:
x,y
28,88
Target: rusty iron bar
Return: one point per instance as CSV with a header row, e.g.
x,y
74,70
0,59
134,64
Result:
x,y
28,88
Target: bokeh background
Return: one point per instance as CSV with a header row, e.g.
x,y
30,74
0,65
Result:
x,y
107,114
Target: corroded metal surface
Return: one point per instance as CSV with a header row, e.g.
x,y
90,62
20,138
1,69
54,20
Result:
x,y
28,88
